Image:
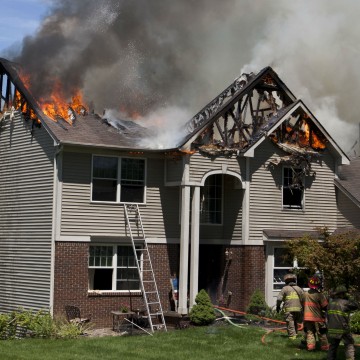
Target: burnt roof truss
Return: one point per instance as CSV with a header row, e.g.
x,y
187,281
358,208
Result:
x,y
237,117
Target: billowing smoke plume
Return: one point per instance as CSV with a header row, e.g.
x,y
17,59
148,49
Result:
x,y
141,56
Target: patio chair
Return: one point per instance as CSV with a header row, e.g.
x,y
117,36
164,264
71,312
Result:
x,y
73,315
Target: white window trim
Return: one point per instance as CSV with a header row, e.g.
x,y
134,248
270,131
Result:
x,y
118,185
114,268
222,205
288,208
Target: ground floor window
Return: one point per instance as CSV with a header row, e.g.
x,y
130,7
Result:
x,y
282,265
113,268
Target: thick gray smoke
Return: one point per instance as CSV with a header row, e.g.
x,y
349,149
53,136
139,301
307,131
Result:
x,y
140,56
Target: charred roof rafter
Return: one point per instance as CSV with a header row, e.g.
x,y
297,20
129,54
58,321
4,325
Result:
x,y
237,121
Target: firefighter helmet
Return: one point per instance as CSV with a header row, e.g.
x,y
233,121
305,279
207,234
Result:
x,y
289,277
314,282
341,289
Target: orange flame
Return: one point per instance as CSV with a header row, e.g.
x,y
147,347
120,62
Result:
x,y
17,99
58,106
316,143
304,135
308,137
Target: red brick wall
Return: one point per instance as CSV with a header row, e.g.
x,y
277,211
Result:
x,y
71,282
246,273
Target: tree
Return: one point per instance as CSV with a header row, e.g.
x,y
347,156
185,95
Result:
x,y
337,256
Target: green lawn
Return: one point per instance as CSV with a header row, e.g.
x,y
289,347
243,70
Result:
x,y
216,342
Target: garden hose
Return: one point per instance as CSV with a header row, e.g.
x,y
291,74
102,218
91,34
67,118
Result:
x,y
227,318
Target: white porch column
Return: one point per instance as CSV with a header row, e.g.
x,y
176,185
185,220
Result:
x,y
184,249
194,260
246,205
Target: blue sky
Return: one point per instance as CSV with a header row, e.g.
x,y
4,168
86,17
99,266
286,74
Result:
x,y
19,18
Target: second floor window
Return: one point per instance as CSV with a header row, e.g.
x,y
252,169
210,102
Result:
x,y
211,200
293,188
118,179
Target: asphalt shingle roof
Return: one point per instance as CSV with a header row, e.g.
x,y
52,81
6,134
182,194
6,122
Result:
x,y
349,179
92,130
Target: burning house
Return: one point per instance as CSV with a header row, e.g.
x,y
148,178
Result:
x,y
254,168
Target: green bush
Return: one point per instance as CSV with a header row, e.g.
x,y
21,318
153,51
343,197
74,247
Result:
x,y
7,326
355,322
38,324
202,312
257,304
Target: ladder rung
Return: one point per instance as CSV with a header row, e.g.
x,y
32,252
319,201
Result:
x,y
150,292
154,302
148,281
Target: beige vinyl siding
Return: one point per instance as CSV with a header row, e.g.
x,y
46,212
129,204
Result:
x,y
26,200
174,169
266,195
348,212
81,217
200,165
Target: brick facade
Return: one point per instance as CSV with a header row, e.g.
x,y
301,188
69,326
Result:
x,y
246,273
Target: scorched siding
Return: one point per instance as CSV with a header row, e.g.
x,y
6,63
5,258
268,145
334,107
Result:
x,y
26,202
81,217
266,195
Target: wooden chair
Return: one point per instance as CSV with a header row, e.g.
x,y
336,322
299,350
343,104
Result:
x,y
73,315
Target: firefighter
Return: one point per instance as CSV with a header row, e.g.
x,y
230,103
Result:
x,y
338,316
291,295
315,304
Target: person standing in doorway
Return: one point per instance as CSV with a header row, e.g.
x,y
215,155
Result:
x,y
291,296
338,316
315,304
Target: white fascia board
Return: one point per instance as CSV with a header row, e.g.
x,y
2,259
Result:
x,y
85,238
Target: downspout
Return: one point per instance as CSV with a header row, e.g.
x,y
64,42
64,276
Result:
x,y
57,174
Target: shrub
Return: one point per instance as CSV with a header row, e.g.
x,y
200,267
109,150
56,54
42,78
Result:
x,y
7,326
38,324
355,322
66,330
257,304
202,312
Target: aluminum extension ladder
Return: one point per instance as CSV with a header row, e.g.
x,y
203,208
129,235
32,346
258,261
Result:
x,y
154,312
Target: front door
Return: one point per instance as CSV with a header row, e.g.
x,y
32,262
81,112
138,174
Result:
x,y
211,268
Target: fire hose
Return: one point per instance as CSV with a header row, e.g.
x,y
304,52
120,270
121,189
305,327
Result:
x,y
283,329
